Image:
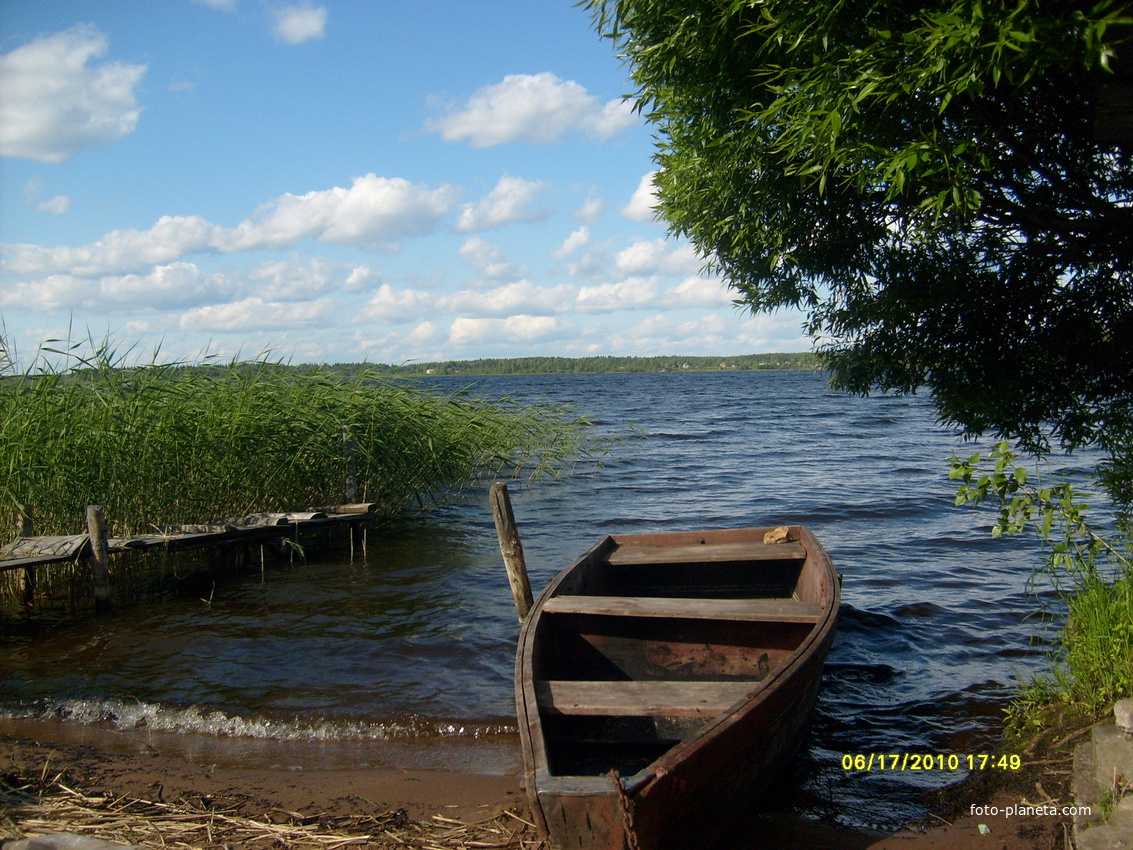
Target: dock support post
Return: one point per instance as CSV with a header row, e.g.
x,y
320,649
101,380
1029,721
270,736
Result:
x,y
27,529
511,548
351,466
100,555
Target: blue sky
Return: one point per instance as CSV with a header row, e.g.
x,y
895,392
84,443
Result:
x,y
379,180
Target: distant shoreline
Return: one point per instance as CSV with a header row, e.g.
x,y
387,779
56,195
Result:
x,y
592,365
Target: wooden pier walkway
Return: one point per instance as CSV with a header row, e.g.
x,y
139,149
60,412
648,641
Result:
x,y
35,555
27,552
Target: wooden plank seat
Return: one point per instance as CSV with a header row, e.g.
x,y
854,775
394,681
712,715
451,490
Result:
x,y
635,699
749,610
699,553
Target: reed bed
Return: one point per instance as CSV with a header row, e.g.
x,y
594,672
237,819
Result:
x,y
157,444
47,806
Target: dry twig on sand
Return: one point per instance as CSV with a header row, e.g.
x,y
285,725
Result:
x,y
41,806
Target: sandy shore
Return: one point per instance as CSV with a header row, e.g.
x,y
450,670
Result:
x,y
431,797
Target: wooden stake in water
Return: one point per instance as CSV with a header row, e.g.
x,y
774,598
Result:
x,y
100,555
511,548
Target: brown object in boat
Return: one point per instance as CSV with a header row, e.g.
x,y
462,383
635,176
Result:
x,y
663,680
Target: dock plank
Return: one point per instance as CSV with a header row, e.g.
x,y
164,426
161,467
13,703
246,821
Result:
x,y
699,553
748,610
626,699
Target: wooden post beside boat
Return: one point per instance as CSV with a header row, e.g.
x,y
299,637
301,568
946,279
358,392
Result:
x,y
511,548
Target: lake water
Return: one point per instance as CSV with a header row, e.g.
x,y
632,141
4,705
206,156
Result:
x,y
405,657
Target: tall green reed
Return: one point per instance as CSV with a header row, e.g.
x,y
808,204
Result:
x,y
158,443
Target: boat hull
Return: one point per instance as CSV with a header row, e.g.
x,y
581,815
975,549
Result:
x,y
658,700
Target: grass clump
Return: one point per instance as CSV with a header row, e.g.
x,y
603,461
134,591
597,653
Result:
x,y
1092,574
159,444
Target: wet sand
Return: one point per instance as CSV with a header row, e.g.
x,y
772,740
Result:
x,y
461,796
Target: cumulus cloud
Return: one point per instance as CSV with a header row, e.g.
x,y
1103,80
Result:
x,y
256,314
535,108
642,204
592,265
488,259
280,280
591,211
119,251
467,331
55,206
174,285
361,278
572,243
33,192
657,256
701,292
55,105
373,212
507,203
391,305
607,297
297,23
424,332
522,296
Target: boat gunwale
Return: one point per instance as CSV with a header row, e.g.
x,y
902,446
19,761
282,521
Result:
x,y
531,722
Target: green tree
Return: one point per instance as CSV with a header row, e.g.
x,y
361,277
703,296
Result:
x,y
929,181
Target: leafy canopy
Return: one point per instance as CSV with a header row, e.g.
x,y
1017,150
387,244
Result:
x,y
924,179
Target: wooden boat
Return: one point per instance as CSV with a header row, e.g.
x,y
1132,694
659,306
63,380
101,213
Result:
x,y
663,680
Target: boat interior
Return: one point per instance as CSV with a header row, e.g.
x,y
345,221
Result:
x,y
642,645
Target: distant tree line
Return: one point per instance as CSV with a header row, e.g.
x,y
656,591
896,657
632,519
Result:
x,y
590,365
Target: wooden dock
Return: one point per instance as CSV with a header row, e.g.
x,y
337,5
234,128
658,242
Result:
x,y
29,553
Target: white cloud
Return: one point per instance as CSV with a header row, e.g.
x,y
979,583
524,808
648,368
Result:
x,y
572,243
168,286
281,280
391,305
424,332
118,251
374,211
523,296
701,292
466,331
257,314
591,211
657,256
361,278
607,297
54,105
295,24
535,108
172,285
506,204
55,206
642,204
222,5
593,265
488,259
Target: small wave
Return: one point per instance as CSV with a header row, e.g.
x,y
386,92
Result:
x,y
195,720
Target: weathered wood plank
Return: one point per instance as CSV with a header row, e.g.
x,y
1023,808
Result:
x,y
55,546
751,610
625,699
706,553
